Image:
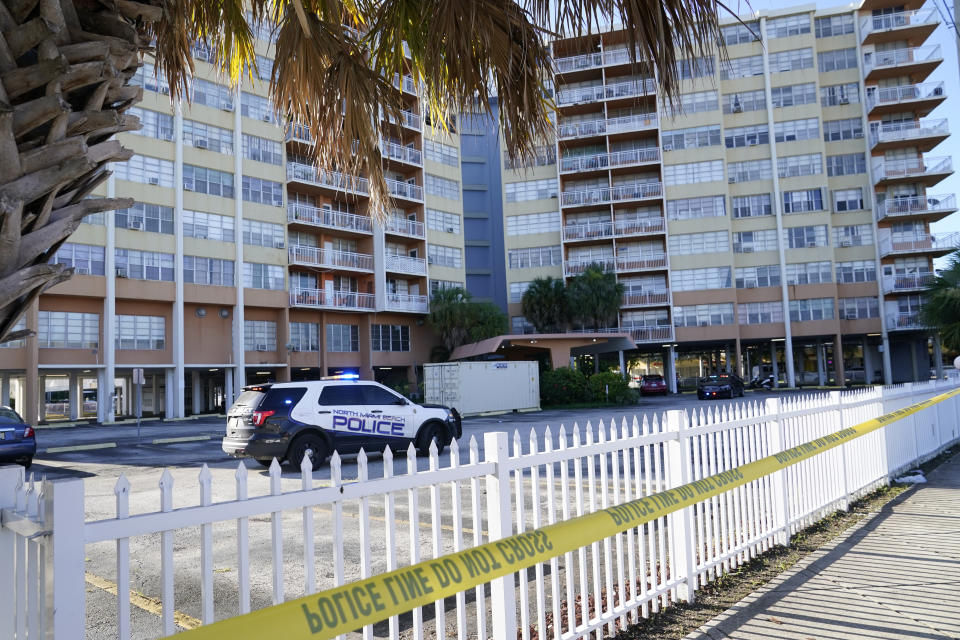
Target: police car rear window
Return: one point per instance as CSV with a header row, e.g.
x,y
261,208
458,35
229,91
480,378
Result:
x,y
340,394
283,398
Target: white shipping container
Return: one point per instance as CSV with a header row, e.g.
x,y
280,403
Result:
x,y
483,387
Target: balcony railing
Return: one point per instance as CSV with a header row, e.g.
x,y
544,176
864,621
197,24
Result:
x,y
915,205
404,302
602,195
577,63
406,264
637,122
901,58
902,321
638,226
320,257
577,266
395,224
911,168
581,94
904,93
329,299
299,133
588,231
899,20
904,131
649,334
642,262
645,298
407,119
401,153
405,190
317,216
912,282
334,179
934,242
605,160
407,85
630,89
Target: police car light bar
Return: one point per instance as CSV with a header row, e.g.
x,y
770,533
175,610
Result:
x,y
343,376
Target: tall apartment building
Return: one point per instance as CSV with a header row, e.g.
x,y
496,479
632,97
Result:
x,y
776,216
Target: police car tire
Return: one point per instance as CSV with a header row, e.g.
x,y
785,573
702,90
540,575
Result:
x,y
265,462
303,442
431,431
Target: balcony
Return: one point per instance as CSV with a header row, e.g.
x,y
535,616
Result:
x,y
630,89
405,264
927,171
329,258
639,226
606,229
645,299
588,231
904,322
647,262
408,155
407,84
408,119
912,26
298,133
330,299
580,95
404,302
919,98
641,333
328,218
579,63
925,207
298,172
606,195
623,124
922,134
404,227
932,244
916,62
577,266
906,283
405,190
628,158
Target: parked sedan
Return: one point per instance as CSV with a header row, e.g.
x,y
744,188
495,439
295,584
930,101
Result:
x,y
652,384
17,440
724,385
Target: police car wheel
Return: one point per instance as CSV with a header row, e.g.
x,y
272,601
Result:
x,y
265,462
308,442
431,433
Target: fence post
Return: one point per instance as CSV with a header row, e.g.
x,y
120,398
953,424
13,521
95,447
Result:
x,y
9,477
503,595
836,400
777,438
683,559
65,571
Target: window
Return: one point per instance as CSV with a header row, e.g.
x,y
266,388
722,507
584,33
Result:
x,y
259,335
530,190
788,26
145,169
693,172
390,337
848,199
517,290
437,186
68,330
803,200
86,259
740,33
145,217
693,243
761,276
533,223
749,170
343,338
752,206
305,336
210,226
859,308
262,191
520,325
262,234
846,129
808,272
698,279
20,325
442,153
262,276
704,207
263,30
443,221
257,108
792,60
857,271
746,136
805,237
341,395
833,25
857,235
94,218
837,94
262,149
793,95
264,67
442,256
437,285
811,309
752,241
805,165
211,94
694,103
201,270
703,315
534,257
143,333
759,312
792,130
741,67
153,124
144,265
745,101
846,164
695,68
150,78
837,59
206,136
542,156
210,181
692,138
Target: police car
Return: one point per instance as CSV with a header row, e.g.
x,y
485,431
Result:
x,y
288,420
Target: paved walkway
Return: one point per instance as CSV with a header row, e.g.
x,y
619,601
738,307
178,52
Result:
x,y
895,576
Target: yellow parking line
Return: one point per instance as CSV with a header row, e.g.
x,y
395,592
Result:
x,y
81,447
146,603
181,439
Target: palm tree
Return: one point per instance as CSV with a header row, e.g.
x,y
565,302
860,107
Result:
x,y
457,318
545,305
941,310
594,297
65,65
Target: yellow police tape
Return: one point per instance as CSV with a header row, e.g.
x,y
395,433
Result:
x,y
330,613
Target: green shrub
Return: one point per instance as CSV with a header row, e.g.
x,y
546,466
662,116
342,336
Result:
x,y
619,390
563,386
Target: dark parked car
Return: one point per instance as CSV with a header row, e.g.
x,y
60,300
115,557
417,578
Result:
x,y
652,384
17,440
723,385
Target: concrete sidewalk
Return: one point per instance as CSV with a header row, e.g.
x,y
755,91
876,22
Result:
x,y
80,438
897,575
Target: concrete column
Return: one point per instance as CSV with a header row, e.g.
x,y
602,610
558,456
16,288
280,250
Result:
x,y
738,359
31,384
937,356
228,387
239,354
41,398
821,364
671,369
169,392
623,366
155,382
197,397
748,374
177,313
5,390
913,360
366,348
867,362
887,369
776,365
838,360
283,338
105,405
76,397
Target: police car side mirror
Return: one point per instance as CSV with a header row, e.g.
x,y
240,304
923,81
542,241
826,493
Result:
x,y
400,401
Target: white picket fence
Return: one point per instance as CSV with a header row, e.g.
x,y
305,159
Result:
x,y
286,544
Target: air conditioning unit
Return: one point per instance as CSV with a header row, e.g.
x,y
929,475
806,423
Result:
x,y
668,147
153,180
737,108
843,100
811,245
731,180
846,243
121,272
858,134
430,260
261,347
266,117
450,230
135,223
200,143
278,244
746,249
81,271
226,105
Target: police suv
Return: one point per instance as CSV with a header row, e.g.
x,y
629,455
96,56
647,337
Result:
x,y
288,420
